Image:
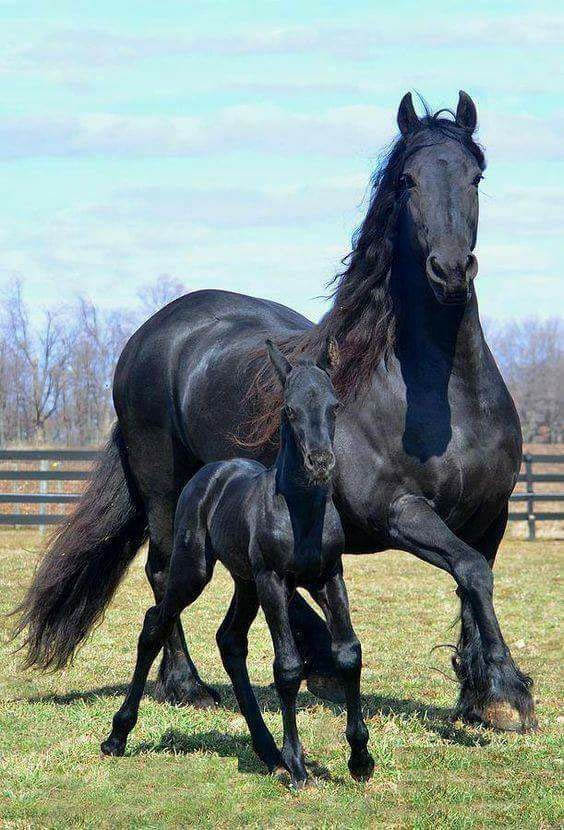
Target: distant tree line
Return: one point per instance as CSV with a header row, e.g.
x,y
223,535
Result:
x,y
56,371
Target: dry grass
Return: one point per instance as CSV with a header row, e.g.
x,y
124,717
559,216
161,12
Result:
x,y
190,768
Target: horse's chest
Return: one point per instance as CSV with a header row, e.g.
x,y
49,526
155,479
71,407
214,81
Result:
x,y
476,472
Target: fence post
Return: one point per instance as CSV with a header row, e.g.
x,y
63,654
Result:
x,y
530,502
43,466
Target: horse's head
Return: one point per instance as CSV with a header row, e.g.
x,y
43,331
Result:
x,y
439,179
309,408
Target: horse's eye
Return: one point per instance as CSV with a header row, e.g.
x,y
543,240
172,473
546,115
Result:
x,y
477,179
406,182
291,413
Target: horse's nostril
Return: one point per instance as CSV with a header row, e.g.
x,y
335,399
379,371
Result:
x,y
434,269
471,267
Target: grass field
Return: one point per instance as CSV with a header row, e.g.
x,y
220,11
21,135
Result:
x,y
192,768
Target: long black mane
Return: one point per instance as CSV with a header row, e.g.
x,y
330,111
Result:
x,y
363,316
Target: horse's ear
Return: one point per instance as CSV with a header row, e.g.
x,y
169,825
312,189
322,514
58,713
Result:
x,y
408,120
330,356
466,115
282,366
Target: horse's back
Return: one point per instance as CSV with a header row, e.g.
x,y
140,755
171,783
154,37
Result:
x,y
185,366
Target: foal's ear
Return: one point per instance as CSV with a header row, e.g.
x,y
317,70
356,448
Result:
x,y
329,356
282,365
408,120
466,115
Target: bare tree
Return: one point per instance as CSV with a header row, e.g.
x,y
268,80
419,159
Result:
x,y
531,359
40,354
156,294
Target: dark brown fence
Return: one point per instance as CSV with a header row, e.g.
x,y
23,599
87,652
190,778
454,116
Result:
x,y
45,473
530,496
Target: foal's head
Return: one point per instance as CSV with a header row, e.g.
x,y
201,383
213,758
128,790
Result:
x,y
439,181
309,407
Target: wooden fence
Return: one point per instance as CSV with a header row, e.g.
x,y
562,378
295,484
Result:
x,y
46,473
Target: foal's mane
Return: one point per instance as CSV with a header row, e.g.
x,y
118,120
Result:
x,y
363,317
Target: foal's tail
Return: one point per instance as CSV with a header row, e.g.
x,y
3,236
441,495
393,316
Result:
x,y
83,565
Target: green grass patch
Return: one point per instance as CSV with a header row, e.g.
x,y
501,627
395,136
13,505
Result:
x,y
190,768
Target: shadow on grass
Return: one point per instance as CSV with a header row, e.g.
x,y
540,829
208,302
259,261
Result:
x,y
226,746
433,718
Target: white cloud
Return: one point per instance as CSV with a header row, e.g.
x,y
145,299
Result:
x,y
74,48
338,131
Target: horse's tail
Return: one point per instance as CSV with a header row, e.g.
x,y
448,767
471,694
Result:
x,y
83,564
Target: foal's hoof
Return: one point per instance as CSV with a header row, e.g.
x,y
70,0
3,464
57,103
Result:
x,y
288,780
186,693
113,746
325,687
361,769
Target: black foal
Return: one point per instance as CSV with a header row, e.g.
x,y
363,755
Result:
x,y
274,529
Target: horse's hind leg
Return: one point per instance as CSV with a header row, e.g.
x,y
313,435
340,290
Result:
x,y
233,646
178,680
188,579
494,679
469,661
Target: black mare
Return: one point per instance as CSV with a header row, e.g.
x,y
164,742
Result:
x,y
428,442
274,529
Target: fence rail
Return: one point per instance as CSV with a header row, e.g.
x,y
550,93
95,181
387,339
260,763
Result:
x,y
45,474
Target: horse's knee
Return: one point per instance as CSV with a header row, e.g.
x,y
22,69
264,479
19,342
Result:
x,y
232,647
288,674
347,657
156,627
473,575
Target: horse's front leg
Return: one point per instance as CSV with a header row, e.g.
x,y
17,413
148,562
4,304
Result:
x,y
491,679
288,668
469,658
347,656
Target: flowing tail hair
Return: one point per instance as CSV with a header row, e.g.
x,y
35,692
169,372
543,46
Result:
x,y
83,564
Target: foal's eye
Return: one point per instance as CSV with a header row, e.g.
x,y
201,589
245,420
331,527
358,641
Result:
x,y
406,182
477,179
291,413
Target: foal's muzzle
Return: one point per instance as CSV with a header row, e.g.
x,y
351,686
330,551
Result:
x,y
450,277
319,465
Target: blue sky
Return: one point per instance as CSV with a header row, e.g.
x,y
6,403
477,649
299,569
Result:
x,y
229,144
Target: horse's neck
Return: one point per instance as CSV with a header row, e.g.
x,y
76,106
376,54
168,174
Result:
x,y
435,340
306,502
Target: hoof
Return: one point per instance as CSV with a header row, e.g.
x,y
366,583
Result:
x,y
289,781
282,775
363,769
113,747
501,716
325,687
186,693
504,717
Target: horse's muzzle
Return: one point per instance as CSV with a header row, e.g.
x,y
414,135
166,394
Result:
x,y
319,465
451,280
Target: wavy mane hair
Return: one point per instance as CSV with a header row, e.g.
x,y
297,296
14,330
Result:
x,y
363,317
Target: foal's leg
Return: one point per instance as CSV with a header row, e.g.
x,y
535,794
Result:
x,y
288,668
469,660
190,574
156,628
233,646
178,680
414,526
347,656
